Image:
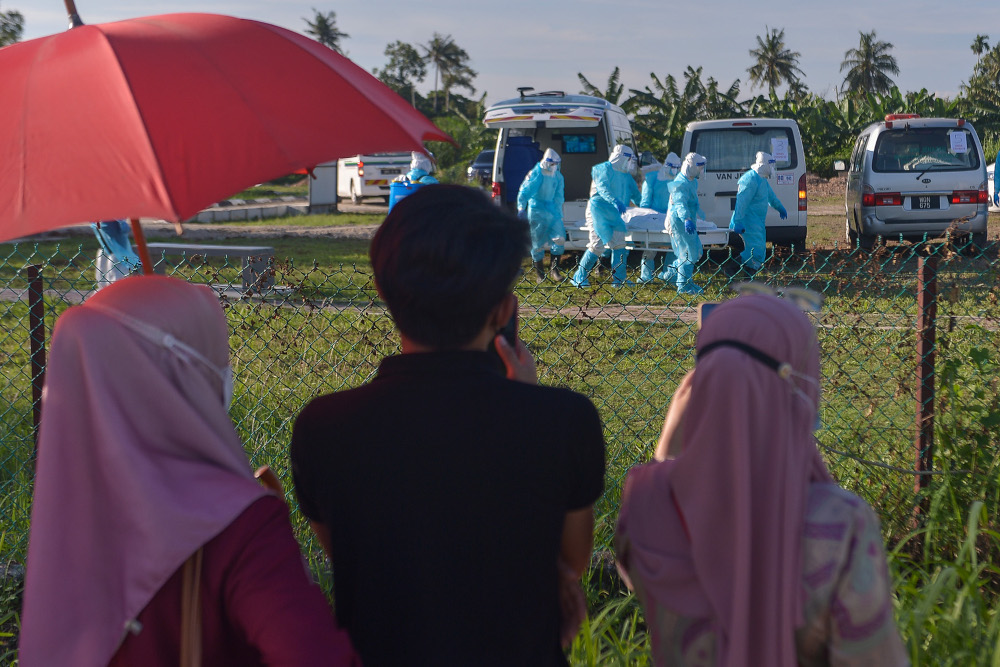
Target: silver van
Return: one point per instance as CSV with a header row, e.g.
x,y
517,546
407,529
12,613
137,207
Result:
x,y
911,177
581,128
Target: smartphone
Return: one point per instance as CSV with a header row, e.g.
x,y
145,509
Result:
x,y
705,308
508,331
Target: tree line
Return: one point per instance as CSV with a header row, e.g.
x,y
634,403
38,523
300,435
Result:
x,y
662,108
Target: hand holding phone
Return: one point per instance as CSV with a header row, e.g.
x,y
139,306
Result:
x,y
513,354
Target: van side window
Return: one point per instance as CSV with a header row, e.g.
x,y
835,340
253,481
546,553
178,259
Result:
x,y
858,157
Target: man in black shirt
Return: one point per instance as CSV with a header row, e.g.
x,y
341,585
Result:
x,y
455,503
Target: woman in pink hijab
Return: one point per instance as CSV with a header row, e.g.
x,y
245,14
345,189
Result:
x,y
146,515
739,545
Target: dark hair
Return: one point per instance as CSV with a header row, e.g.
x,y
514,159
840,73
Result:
x,y
445,256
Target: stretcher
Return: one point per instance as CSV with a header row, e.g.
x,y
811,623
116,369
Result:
x,y
647,230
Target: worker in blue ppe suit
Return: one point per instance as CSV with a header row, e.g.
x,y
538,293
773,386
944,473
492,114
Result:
x,y
420,169
683,212
656,195
612,187
996,190
115,257
753,195
540,201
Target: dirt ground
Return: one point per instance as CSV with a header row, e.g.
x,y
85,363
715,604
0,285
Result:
x,y
821,188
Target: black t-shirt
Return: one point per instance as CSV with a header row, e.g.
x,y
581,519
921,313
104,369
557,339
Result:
x,y
445,487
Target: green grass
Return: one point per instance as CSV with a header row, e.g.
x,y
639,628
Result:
x,y
626,349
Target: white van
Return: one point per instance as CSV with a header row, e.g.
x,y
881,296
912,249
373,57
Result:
x,y
581,128
730,147
361,176
911,177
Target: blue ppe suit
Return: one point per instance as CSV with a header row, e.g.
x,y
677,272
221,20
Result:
x,y
542,195
655,195
687,247
113,237
753,195
996,190
612,190
420,176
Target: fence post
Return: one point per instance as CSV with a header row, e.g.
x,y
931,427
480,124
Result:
x,y
926,334
36,334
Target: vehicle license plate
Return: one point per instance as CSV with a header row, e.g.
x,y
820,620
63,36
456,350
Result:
x,y
391,171
925,202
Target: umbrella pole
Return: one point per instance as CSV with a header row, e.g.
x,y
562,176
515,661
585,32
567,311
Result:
x,y
74,18
140,245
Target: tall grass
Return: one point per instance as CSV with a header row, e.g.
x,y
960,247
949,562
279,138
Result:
x,y
627,349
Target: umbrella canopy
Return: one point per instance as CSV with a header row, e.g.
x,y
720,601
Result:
x,y
164,115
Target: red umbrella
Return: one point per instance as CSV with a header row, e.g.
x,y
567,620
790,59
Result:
x,y
162,116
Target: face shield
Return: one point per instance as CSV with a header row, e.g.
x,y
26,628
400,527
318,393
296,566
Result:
x,y
623,159
764,165
550,162
693,165
671,167
421,161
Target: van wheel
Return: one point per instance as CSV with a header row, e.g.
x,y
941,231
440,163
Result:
x,y
866,242
979,240
852,236
355,197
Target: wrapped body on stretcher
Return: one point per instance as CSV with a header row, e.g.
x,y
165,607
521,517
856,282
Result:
x,y
647,230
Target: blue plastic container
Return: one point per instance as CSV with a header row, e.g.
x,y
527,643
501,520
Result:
x,y
399,189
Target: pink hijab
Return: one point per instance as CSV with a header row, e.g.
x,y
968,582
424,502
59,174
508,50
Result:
x,y
717,532
138,464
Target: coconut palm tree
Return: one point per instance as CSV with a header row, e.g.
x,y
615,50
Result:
x,y
869,66
773,63
980,45
323,28
460,76
450,63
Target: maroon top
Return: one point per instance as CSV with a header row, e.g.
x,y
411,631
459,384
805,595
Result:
x,y
259,606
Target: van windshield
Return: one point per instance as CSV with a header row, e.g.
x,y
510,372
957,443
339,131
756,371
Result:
x,y
925,149
736,148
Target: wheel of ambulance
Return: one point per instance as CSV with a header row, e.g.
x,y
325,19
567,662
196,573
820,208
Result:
x,y
355,197
979,240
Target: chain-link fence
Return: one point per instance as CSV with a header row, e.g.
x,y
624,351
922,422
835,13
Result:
x,y
322,329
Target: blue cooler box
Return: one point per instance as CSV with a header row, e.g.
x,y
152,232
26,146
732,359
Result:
x,y
399,189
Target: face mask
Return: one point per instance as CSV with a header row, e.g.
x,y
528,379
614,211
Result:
x,y
177,347
550,166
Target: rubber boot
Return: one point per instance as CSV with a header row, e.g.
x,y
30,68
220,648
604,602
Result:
x,y
619,264
685,284
602,265
539,271
554,272
587,262
646,274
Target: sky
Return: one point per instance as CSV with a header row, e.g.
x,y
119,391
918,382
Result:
x,y
545,43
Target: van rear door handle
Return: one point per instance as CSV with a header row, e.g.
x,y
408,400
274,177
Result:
x,y
726,193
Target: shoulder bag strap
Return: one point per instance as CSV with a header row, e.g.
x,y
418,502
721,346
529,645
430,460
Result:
x,y
191,611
